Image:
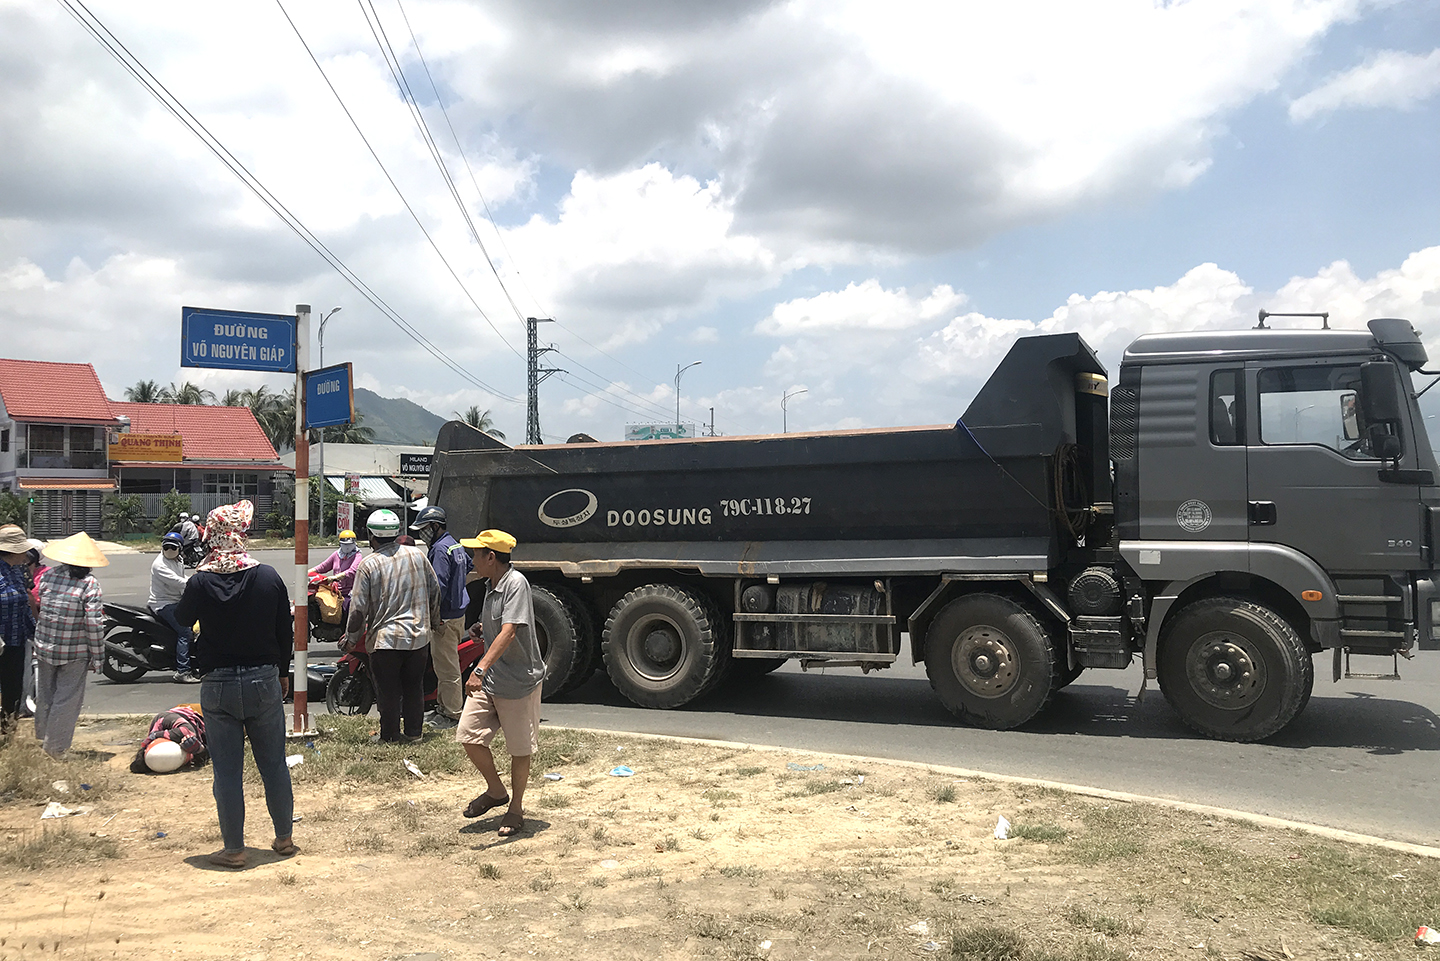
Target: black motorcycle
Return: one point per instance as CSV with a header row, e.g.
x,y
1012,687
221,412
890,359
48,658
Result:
x,y
136,643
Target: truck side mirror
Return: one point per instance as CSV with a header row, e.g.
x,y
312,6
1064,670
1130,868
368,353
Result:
x,y
1379,392
1349,417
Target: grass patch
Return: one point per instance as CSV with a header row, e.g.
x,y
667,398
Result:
x,y
990,943
489,871
943,794
646,872
1083,917
1042,831
740,871
553,801
28,774
749,770
715,795
811,788
542,882
54,847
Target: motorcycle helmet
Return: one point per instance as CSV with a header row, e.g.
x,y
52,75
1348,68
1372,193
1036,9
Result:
x,y
427,516
164,756
383,524
345,534
171,538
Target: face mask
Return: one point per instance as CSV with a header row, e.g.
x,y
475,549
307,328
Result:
x,y
347,547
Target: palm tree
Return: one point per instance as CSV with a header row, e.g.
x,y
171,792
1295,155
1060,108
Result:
x,y
186,393
481,420
276,414
352,433
145,392
234,398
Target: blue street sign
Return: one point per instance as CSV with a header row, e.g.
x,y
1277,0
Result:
x,y
237,340
329,397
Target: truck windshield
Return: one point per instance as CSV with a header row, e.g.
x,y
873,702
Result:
x,y
1314,405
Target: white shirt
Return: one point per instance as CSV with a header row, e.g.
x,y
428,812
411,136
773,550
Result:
x,y
167,581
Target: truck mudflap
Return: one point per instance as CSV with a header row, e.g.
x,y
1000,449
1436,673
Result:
x,y
1427,613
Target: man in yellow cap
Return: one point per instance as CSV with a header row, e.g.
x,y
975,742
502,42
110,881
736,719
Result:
x,y
505,687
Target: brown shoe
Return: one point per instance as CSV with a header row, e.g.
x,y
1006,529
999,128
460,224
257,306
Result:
x,y
285,847
227,858
484,803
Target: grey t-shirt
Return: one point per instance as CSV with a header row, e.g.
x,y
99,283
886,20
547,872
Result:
x,y
521,668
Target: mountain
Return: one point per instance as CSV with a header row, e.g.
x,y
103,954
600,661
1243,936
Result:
x,y
396,420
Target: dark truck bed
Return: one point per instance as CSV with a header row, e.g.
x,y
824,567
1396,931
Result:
x,y
980,495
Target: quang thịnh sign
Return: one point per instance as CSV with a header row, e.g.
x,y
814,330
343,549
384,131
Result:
x,y
147,448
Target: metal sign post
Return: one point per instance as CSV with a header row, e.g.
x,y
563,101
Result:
x,y
300,679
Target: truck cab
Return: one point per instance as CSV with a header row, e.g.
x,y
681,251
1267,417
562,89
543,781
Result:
x,y
1272,475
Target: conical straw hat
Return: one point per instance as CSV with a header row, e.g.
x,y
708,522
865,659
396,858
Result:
x,y
77,549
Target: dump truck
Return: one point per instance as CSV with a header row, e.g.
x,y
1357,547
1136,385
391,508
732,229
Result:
x,y
1237,503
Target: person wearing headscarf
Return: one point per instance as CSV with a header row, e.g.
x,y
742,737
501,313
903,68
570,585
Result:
x,y
342,564
69,637
17,621
242,652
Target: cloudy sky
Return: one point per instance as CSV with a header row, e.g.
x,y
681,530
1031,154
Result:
x,y
868,201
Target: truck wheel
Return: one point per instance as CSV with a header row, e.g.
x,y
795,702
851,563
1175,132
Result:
x,y
1233,670
663,645
990,660
749,668
560,630
1064,674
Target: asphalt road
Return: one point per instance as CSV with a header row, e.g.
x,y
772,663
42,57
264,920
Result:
x,y
1365,755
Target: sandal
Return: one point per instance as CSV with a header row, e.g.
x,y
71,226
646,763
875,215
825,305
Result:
x,y
484,803
226,858
285,847
511,825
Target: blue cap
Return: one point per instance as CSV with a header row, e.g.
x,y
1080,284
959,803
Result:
x,y
172,537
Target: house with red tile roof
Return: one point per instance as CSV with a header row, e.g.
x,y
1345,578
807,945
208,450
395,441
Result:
x,y
64,445
54,424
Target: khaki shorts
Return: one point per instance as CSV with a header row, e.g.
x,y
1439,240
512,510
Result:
x,y
485,716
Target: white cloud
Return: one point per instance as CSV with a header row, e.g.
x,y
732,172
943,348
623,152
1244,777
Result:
x,y
704,335
863,306
1391,78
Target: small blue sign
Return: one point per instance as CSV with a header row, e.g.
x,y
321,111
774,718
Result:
x,y
329,397
237,340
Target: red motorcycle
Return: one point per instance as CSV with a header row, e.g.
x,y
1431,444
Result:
x,y
351,690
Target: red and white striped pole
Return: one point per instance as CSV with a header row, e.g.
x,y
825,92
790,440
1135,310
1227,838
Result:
x,y
300,679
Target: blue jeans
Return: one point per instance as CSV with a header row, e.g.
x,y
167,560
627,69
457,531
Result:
x,y
240,701
182,635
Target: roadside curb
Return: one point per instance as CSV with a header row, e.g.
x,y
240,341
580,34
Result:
x,y
1261,820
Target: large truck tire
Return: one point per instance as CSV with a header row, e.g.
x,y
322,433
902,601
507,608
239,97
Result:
x,y
1065,675
1233,669
990,660
560,629
664,646
587,656
749,668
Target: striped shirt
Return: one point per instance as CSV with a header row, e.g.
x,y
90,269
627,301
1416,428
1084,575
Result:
x,y
71,626
399,595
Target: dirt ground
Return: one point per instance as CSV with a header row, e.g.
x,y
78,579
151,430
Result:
x,y
704,852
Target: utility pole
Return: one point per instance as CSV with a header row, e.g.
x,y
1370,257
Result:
x,y
784,402
535,374
712,422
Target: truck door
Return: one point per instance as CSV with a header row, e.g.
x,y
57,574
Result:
x,y
1314,482
1192,453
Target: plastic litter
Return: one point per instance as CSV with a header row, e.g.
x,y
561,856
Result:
x,y
609,864
84,787
294,760
57,810
805,767
1426,935
930,946
1002,829
919,927
410,766
554,777
62,786
860,779
161,834
621,771
765,946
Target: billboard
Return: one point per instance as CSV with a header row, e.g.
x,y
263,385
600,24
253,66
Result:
x,y
415,465
659,431
147,448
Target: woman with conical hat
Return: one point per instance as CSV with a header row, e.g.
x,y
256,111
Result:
x,y
69,637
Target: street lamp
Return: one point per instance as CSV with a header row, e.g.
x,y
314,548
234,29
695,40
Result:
x,y
784,417
678,371
323,321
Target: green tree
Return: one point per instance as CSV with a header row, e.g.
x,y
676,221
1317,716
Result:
x,y
353,433
13,508
122,513
481,420
145,392
171,506
234,398
187,393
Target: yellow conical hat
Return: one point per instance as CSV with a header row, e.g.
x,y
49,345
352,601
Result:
x,y
77,549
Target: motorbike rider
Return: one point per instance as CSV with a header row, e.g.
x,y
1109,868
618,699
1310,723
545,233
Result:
x,y
451,563
341,566
167,584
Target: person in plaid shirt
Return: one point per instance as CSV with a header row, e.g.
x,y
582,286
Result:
x,y
397,599
69,638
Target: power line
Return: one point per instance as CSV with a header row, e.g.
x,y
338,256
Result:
x,y
132,65
414,216
639,397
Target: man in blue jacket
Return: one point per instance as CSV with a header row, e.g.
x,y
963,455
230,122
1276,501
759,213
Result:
x,y
451,563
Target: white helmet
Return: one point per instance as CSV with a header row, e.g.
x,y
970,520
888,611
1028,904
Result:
x,y
164,756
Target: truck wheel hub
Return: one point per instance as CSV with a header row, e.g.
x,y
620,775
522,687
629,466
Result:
x,y
1226,670
984,662
656,647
